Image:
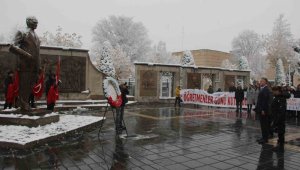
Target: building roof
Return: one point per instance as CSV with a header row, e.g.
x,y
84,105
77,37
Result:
x,y
178,65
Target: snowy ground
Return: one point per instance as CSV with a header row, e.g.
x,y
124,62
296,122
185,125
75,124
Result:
x,y
23,135
26,116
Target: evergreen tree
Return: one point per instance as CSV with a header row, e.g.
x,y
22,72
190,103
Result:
x,y
105,64
279,73
243,63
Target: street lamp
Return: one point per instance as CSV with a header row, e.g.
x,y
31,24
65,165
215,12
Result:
x,y
129,81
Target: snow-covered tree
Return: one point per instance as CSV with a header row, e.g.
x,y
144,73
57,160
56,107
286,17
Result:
x,y
249,44
104,63
122,31
160,54
61,39
279,73
228,65
187,59
279,44
122,63
2,38
243,63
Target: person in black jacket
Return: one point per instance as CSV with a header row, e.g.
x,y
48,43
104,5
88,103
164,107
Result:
x,y
297,92
8,80
119,121
278,109
262,110
239,97
50,82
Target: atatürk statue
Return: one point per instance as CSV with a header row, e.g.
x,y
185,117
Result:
x,y
27,47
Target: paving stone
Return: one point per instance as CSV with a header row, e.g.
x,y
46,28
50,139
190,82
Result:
x,y
212,142
222,165
193,164
177,167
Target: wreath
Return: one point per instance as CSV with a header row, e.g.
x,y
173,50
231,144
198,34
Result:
x,y
112,92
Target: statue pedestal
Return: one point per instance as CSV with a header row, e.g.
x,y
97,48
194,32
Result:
x,y
34,118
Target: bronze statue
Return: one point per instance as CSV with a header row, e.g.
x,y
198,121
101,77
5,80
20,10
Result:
x,y
27,47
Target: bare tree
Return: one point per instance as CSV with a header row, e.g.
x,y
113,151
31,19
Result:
x,y
159,54
122,31
61,39
2,38
249,44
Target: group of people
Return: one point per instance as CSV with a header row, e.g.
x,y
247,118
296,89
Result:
x,y
11,92
270,107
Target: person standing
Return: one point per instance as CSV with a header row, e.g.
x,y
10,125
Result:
x,y
177,94
278,109
210,89
297,92
262,110
50,94
232,88
250,99
8,82
120,119
27,47
239,97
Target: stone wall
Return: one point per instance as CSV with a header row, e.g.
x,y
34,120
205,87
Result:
x,y
77,72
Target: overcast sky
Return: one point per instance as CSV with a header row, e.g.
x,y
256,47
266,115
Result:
x,y
182,24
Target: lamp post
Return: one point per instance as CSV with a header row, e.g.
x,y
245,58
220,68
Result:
x,y
289,62
129,79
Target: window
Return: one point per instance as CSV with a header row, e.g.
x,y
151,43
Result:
x,y
166,84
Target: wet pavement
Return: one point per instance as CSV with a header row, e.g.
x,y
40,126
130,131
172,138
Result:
x,y
165,138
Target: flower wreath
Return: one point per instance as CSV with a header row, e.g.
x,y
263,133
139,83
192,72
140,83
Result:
x,y
112,92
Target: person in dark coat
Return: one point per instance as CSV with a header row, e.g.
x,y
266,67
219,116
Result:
x,y
7,82
232,88
297,92
239,97
278,110
124,92
51,81
210,89
262,110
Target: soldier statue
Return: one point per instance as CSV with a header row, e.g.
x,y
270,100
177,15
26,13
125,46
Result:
x,y
27,47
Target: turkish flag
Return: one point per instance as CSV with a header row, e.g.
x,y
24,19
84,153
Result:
x,y
53,94
38,88
13,89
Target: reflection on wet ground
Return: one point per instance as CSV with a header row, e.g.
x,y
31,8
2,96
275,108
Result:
x,y
165,138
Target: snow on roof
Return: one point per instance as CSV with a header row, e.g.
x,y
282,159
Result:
x,y
196,67
53,47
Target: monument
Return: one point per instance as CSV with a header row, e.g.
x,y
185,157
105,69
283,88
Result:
x,y
27,47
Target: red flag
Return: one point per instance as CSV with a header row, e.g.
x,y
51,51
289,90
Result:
x,y
13,89
52,95
38,88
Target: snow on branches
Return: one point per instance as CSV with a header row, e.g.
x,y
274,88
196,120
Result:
x,y
243,63
279,73
105,64
228,65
